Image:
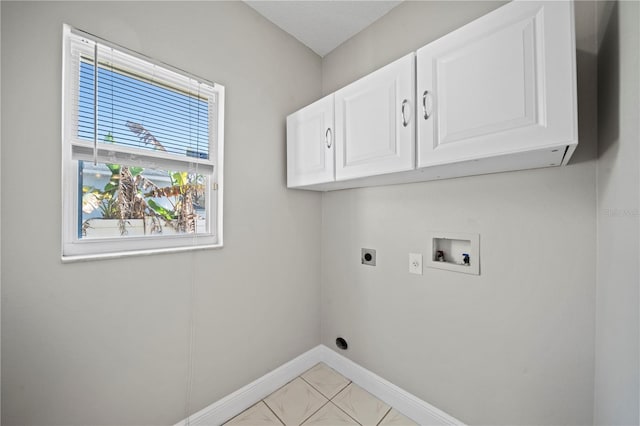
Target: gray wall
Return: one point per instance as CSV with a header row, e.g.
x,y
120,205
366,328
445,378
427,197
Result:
x,y
511,346
617,376
106,342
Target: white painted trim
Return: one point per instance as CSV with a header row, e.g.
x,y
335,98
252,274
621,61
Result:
x,y
411,406
233,404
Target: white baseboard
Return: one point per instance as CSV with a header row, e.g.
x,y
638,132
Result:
x,y
233,404
411,406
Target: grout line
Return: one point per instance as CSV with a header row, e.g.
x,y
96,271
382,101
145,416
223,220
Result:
x,y
351,417
386,414
311,384
311,415
307,418
314,388
274,413
320,392
341,389
379,421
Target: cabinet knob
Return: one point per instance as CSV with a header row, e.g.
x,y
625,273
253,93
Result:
x,y
405,122
328,137
427,104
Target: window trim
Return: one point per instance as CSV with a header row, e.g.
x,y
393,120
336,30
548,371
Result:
x,y
74,248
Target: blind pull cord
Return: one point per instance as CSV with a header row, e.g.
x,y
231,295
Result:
x,y
95,104
192,289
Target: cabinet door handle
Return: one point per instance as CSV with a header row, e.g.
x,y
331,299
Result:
x,y
427,113
405,122
328,137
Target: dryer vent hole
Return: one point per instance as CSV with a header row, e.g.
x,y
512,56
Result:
x,y
341,343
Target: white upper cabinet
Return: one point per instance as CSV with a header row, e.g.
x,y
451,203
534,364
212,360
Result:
x,y
375,123
310,144
503,84
496,95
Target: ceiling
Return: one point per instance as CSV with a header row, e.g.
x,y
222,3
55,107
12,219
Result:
x,y
322,25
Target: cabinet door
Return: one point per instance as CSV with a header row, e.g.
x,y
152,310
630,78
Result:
x,y
310,144
375,128
504,83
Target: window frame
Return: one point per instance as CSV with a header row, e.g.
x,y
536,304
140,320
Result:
x,y
75,248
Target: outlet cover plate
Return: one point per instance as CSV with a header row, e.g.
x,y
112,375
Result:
x,y
415,263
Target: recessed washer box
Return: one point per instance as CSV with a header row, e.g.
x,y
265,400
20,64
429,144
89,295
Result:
x,y
454,251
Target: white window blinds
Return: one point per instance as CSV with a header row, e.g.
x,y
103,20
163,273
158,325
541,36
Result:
x,y
137,112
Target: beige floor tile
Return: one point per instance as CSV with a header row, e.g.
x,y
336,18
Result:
x,y
395,418
325,380
257,415
361,405
295,402
329,415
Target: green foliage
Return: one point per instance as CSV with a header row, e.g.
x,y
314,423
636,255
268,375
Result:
x,y
109,207
129,194
179,178
166,214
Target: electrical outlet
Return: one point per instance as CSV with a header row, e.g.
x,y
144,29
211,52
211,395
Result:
x,y
415,263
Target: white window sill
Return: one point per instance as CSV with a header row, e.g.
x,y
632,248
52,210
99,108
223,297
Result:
x,y
146,252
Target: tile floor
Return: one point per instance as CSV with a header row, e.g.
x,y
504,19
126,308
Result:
x,y
320,396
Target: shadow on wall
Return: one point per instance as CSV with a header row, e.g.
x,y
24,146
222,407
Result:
x,y
587,67
609,85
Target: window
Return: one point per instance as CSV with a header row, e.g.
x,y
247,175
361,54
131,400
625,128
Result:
x,y
141,153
